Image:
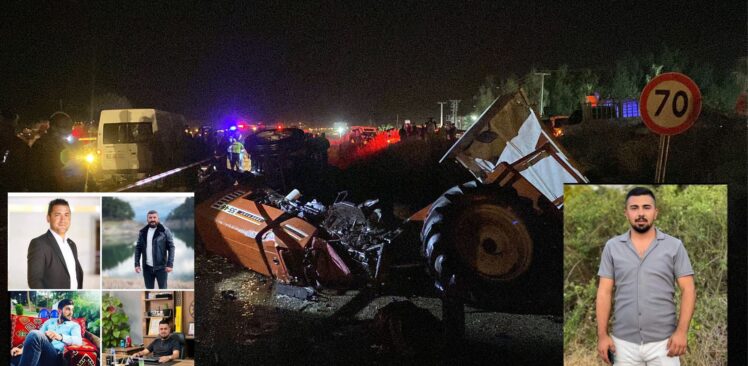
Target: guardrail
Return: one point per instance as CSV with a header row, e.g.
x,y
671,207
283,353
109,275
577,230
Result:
x,y
160,176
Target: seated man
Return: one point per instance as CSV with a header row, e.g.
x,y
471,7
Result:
x,y
45,346
166,348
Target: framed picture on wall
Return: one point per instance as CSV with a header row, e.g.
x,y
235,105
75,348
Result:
x,y
153,326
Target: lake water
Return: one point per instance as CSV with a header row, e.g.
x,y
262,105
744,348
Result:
x,y
118,260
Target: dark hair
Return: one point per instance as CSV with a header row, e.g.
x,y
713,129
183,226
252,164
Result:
x,y
165,321
151,212
63,303
56,202
639,191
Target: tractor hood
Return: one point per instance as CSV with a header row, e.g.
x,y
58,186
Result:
x,y
508,131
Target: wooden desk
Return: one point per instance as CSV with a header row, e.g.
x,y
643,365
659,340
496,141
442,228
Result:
x,y
184,363
174,363
128,350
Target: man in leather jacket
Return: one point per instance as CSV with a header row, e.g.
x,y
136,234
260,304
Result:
x,y
156,243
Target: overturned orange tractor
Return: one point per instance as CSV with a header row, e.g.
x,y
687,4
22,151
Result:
x,y
495,242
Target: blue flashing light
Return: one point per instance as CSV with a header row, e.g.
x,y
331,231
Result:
x,y
232,128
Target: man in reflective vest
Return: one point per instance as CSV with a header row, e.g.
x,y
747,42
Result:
x,y
235,150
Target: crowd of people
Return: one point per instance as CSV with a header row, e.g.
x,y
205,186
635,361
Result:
x,y
36,156
46,154
427,130
230,150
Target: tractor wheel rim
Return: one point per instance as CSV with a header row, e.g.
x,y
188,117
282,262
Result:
x,y
493,241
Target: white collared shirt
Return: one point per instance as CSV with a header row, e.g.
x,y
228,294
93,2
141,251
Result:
x,y
149,246
67,255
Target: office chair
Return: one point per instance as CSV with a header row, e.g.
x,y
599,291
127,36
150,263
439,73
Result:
x,y
180,338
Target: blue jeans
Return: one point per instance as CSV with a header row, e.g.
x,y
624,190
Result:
x,y
37,350
149,275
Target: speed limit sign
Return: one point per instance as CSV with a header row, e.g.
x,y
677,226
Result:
x,y
670,103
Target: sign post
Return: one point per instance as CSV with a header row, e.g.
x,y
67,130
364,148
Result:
x,y
669,104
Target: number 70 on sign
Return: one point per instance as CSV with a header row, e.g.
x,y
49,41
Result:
x,y
670,103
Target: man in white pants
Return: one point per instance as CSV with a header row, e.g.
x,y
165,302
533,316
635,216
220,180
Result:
x,y
643,264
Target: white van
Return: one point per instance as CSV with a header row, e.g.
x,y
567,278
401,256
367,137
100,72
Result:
x,y
134,143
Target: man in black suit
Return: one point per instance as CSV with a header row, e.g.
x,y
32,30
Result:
x,y
53,257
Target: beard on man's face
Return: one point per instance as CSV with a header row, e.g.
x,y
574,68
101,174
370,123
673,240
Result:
x,y
63,318
152,223
641,225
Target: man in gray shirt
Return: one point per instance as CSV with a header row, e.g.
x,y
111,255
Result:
x,y
166,348
644,264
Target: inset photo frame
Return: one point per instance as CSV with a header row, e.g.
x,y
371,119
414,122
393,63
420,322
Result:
x,y
148,241
642,259
54,241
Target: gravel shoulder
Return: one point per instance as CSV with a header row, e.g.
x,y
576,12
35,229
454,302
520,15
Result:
x,y
260,327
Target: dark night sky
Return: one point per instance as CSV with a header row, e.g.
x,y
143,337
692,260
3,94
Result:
x,y
331,61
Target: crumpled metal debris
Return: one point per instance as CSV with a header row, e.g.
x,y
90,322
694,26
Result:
x,y
228,295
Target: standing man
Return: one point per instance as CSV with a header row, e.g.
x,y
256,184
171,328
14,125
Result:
x,y
48,154
451,132
235,150
44,347
156,243
644,264
166,347
324,145
52,259
14,152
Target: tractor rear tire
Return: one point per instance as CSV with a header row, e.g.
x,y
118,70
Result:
x,y
490,246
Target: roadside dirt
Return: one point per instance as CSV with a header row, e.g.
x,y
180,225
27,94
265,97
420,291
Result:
x,y
255,326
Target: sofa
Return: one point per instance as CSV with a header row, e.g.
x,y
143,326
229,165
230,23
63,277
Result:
x,y
86,354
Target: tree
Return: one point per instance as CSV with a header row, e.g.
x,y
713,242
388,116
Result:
x,y
561,98
509,85
184,211
487,93
565,89
492,89
115,208
587,82
626,82
720,90
531,85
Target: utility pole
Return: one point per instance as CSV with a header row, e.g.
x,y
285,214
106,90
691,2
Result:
x,y
93,85
542,89
441,113
455,104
